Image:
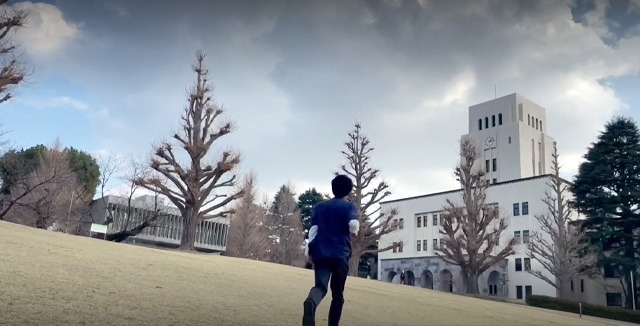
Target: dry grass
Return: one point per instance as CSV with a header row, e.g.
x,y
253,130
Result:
x,y
49,278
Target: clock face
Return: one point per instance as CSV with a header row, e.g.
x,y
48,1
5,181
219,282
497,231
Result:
x,y
490,141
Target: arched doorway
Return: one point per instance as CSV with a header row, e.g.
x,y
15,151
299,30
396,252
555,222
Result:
x,y
391,276
411,278
427,279
493,281
446,281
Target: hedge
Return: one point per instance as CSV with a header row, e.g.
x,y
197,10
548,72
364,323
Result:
x,y
615,313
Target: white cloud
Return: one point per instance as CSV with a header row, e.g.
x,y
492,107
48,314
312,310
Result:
x,y
46,31
56,102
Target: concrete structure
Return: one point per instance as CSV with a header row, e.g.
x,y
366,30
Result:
x,y
515,151
211,234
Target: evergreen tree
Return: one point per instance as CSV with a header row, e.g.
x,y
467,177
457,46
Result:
x,y
607,192
307,201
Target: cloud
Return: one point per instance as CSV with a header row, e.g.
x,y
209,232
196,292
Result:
x,y
296,77
56,103
46,32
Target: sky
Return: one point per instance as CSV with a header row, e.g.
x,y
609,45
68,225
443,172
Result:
x,y
295,76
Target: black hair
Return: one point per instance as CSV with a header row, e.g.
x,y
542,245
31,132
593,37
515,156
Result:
x,y
341,186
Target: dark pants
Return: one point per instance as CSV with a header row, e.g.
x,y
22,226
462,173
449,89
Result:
x,y
333,273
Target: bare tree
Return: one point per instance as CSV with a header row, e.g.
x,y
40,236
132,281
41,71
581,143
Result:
x,y
472,230
197,189
561,249
12,69
248,232
366,195
286,229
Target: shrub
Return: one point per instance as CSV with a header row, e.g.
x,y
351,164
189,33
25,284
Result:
x,y
615,313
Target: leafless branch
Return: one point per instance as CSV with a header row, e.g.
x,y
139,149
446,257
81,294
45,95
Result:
x,y
472,229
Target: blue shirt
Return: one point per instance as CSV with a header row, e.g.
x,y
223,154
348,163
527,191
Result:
x,y
331,224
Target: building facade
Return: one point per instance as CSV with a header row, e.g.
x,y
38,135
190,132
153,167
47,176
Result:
x,y
211,234
515,152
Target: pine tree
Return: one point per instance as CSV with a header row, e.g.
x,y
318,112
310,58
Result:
x,y
607,192
307,201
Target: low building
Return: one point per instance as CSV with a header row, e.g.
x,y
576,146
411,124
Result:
x,y
118,213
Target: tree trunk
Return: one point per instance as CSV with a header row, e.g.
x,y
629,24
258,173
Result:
x,y
472,284
41,222
188,239
564,289
354,262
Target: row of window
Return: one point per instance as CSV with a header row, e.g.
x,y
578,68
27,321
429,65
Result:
x,y
491,167
423,220
525,208
421,245
528,290
521,236
493,121
527,264
398,223
534,122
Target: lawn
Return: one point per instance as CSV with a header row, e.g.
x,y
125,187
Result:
x,y
49,278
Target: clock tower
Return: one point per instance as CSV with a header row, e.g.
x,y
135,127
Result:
x,y
510,134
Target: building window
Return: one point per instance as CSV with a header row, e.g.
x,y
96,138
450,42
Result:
x,y
582,285
435,244
401,224
500,119
486,122
529,119
540,125
537,124
495,180
519,292
516,235
528,290
516,209
419,246
527,264
486,166
518,264
571,285
525,208
509,139
610,271
419,221
525,236
400,246
435,219
494,163
479,124
614,299
395,247
424,245
493,121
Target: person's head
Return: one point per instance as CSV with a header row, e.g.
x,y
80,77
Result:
x,y
341,186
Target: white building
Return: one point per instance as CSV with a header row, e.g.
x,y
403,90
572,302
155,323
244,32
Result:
x,y
510,133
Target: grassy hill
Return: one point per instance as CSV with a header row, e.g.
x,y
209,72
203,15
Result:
x,y
50,278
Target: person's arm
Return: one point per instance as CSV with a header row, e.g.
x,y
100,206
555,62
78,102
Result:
x,y
313,230
354,222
